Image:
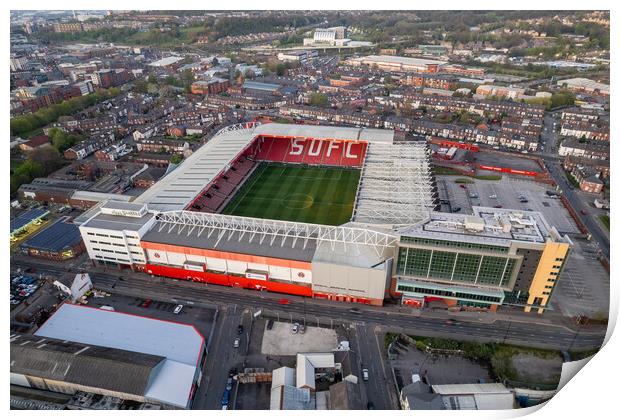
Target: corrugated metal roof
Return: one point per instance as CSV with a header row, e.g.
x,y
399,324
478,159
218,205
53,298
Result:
x,y
83,324
88,365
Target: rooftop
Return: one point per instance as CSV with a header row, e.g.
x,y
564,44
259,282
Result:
x,y
180,344
489,226
165,61
407,61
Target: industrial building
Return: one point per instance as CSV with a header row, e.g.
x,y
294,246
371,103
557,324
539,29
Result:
x,y
176,229
398,64
84,349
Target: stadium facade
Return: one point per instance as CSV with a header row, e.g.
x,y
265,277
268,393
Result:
x,y
176,228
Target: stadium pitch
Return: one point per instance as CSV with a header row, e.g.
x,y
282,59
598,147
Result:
x,y
297,193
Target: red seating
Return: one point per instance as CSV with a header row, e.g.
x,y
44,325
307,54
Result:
x,y
315,151
312,151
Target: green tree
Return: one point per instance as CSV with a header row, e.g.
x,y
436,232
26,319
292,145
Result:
x,y
176,159
318,99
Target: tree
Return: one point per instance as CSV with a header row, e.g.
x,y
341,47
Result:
x,y
141,86
48,158
318,99
176,159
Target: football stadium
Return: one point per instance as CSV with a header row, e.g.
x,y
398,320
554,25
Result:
x,y
324,212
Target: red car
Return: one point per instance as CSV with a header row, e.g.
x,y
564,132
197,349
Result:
x,y
463,186
284,301
147,303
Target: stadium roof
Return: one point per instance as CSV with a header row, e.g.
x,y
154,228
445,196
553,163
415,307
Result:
x,y
374,135
180,344
57,237
395,184
26,218
274,238
177,190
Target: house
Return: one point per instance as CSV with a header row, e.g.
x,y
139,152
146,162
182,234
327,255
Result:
x,y
35,142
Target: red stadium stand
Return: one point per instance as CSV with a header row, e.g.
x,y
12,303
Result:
x,y
312,152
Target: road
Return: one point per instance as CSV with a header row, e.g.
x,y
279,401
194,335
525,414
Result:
x,y
553,164
524,331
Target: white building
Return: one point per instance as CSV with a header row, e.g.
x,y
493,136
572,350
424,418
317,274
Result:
x,y
113,235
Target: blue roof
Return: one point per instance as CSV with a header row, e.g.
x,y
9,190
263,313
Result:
x,y
57,237
28,217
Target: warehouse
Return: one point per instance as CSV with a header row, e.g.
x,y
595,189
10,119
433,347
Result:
x,y
133,357
59,241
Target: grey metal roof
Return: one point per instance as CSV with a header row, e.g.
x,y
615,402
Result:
x,y
290,250
88,365
83,324
109,221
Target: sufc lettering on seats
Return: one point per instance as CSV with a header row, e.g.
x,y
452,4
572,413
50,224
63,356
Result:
x,y
298,146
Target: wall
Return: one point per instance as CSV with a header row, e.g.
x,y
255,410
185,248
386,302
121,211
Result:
x,y
359,282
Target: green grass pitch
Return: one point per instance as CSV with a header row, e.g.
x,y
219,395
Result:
x,y
297,193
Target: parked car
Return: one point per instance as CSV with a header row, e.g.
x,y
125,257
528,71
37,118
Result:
x,y
456,210
370,405
236,343
239,329
463,186
225,398
365,374
499,206
147,303
270,324
284,301
295,328
229,383
584,212
302,329
178,309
